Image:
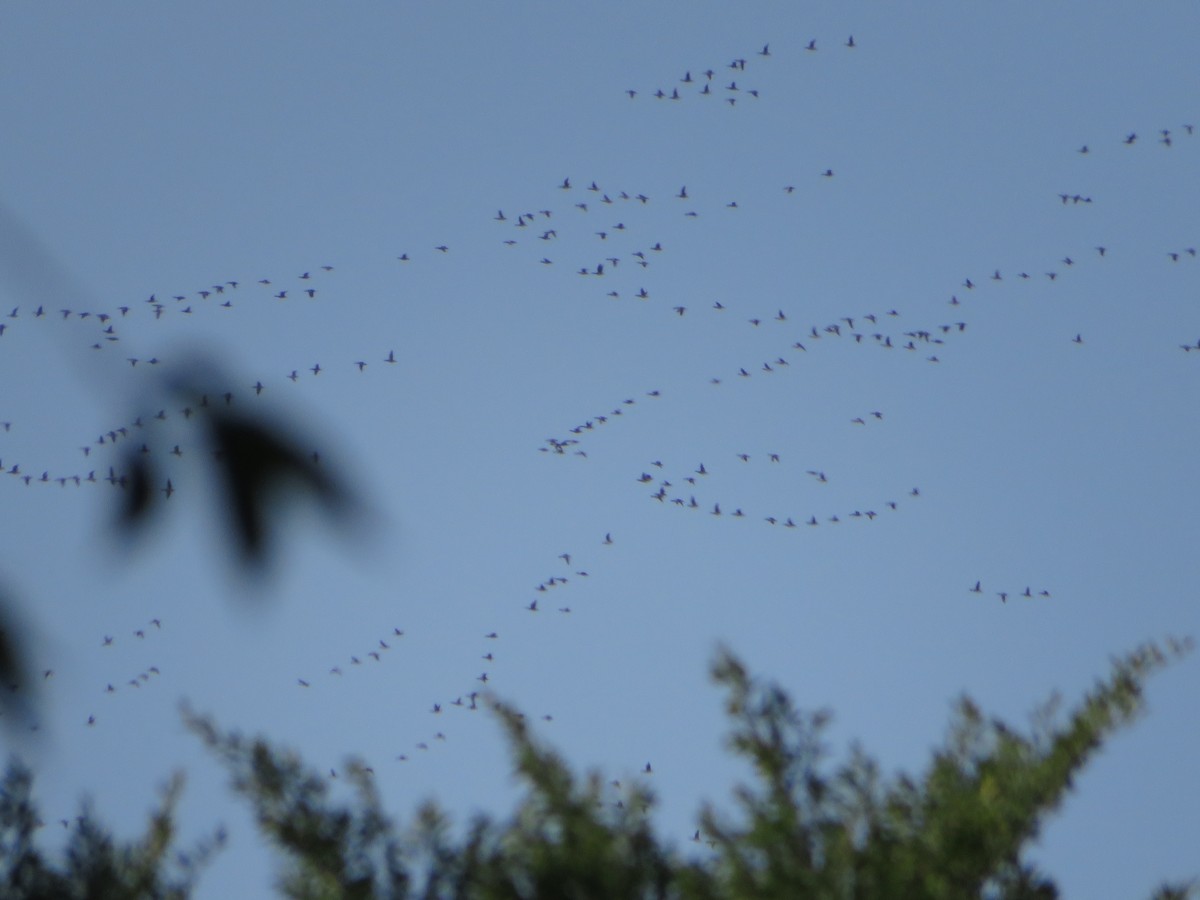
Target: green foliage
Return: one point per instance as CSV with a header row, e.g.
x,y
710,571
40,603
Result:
x,y
804,828
93,864
564,840
334,851
957,832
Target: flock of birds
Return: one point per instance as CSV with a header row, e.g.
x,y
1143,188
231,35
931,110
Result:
x,y
680,491
606,237
709,83
140,430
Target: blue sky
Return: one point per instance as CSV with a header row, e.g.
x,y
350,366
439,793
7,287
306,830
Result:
x,y
161,151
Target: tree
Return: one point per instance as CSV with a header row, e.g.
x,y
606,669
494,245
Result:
x,y
804,829
93,863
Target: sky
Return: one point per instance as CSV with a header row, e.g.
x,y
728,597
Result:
x,y
852,265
